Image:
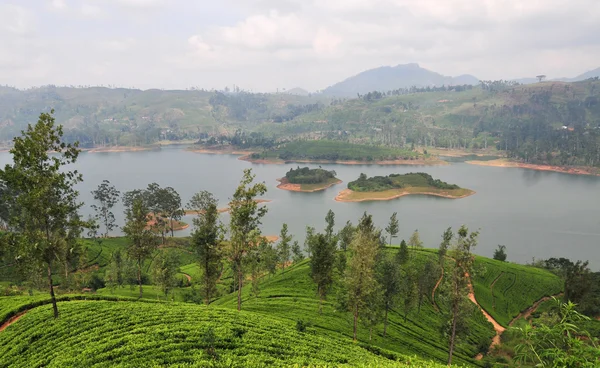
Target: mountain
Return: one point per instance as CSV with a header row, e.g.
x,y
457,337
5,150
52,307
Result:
x,y
587,75
387,78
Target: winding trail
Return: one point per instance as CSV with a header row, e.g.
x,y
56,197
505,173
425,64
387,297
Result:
x,y
437,284
492,289
527,312
497,326
12,320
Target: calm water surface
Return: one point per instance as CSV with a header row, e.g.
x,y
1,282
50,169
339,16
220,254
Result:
x,y
535,214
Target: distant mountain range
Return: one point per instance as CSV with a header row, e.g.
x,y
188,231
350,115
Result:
x,y
387,78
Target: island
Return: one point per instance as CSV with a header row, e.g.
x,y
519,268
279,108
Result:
x,y
308,180
383,188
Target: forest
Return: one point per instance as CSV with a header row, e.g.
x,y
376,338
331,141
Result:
x,y
397,181
306,175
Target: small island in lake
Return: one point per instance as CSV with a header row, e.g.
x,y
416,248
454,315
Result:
x,y
383,188
308,180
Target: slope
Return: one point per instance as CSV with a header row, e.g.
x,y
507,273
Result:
x,y
292,295
129,334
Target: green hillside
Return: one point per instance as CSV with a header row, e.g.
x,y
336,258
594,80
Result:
x,y
292,295
130,334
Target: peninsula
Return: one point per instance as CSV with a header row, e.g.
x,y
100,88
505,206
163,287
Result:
x,y
308,180
383,188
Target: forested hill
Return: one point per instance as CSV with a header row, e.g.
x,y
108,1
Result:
x,y
389,78
120,116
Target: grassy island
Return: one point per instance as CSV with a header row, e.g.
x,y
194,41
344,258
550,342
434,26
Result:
x,y
382,188
341,152
308,180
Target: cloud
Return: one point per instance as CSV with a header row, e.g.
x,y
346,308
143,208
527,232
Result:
x,y
265,44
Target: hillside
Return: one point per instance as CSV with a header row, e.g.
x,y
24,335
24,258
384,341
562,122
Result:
x,y
127,333
388,78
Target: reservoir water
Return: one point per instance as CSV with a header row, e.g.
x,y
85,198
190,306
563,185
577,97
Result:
x,y
534,213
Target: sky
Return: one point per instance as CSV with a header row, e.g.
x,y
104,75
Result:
x,y
265,45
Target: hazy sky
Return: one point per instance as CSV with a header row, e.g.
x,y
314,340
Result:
x,y
267,44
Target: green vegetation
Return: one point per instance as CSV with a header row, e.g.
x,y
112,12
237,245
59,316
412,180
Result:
x,y
309,176
326,150
398,181
142,334
515,287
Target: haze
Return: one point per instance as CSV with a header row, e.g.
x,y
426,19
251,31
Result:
x,y
263,45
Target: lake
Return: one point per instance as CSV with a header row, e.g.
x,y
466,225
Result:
x,y
534,213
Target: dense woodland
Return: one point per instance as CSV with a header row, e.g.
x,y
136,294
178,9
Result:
x,y
306,175
397,181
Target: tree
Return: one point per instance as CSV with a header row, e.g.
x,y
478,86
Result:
x,y
322,263
245,219
114,275
360,274
393,228
165,205
283,248
207,241
460,282
330,221
415,241
345,235
40,197
297,255
500,253
576,276
426,280
540,77
402,255
171,207
142,242
408,289
445,245
164,269
388,276
107,195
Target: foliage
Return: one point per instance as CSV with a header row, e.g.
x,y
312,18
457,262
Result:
x,y
322,263
245,219
397,181
500,253
283,247
207,242
393,227
41,199
560,342
164,269
309,176
107,195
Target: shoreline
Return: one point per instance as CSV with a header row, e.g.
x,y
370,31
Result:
x,y
344,194
419,162
572,170
120,149
215,151
285,185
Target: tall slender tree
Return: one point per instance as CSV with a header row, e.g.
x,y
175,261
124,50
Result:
x,y
388,276
207,241
415,241
460,284
393,227
297,255
107,196
283,247
345,235
245,219
360,272
322,263
40,198
142,241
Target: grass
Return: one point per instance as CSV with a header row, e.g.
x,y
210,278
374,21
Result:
x,y
516,288
292,296
129,334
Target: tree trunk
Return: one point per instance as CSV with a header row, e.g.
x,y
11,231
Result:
x,y
52,296
320,302
370,333
452,338
355,320
385,321
139,276
240,283
172,231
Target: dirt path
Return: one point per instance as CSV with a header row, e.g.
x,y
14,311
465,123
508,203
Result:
x,y
497,327
437,284
527,312
492,289
12,320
